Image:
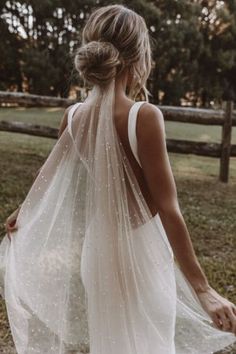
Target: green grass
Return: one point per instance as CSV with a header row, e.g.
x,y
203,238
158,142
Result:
x,y
44,116
197,132
208,206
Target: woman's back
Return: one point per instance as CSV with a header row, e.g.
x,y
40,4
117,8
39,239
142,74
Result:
x,y
122,114
121,117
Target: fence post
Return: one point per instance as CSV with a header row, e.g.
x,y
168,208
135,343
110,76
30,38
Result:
x,y
226,142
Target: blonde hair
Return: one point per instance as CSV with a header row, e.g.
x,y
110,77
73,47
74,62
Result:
x,y
113,39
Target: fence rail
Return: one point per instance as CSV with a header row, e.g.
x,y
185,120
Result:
x,y
25,99
225,118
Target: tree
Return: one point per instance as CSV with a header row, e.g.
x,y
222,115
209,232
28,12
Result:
x,y
193,43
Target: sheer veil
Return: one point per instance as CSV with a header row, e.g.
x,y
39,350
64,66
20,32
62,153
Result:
x,y
89,267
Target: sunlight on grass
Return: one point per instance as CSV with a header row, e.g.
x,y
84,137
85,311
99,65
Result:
x,y
44,116
54,109
197,132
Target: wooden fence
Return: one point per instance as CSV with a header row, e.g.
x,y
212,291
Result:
x,y
225,118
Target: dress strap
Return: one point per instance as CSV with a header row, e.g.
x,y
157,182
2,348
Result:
x,y
132,120
70,116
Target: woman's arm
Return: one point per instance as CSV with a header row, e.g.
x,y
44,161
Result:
x,y
157,170
154,158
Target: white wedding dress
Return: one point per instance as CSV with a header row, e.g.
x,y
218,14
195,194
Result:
x,y
89,269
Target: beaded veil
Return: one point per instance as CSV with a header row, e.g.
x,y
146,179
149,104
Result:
x,y
89,268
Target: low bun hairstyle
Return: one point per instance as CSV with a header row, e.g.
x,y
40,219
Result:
x,y
98,62
115,38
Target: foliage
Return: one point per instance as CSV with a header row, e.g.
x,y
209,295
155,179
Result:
x,y
193,42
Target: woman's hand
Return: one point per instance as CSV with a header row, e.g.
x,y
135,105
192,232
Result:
x,y
221,310
10,223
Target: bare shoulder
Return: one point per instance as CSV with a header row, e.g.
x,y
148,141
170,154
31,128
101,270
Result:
x,y
150,109
67,110
64,121
150,122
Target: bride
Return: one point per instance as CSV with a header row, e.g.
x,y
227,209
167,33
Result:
x,y
98,257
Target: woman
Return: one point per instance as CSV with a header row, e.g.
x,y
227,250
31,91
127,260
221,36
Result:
x,y
108,183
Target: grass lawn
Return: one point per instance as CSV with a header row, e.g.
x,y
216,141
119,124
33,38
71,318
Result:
x,y
209,207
